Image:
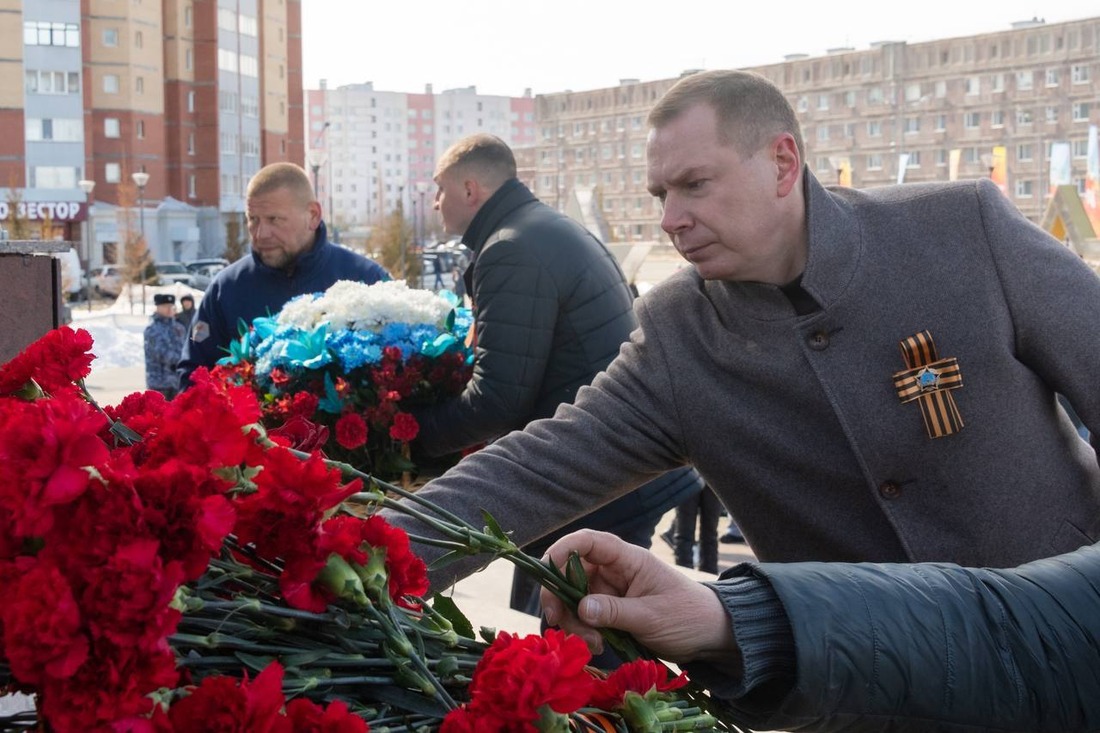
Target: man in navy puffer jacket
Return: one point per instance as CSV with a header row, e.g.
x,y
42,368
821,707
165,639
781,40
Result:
x,y
290,256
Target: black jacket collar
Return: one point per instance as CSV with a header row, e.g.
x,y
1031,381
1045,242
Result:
x,y
506,199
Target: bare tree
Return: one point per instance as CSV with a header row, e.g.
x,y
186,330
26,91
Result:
x,y
392,238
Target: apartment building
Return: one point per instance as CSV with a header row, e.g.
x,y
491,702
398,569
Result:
x,y
895,111
151,115
372,152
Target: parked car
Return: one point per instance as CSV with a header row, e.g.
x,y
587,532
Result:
x,y
202,275
107,280
169,273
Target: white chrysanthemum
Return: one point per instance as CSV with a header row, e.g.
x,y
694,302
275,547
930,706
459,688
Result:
x,y
357,306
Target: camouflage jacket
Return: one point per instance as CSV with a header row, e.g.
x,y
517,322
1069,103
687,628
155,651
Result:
x,y
164,339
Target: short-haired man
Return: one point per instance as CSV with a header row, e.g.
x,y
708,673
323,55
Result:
x,y
290,256
163,338
551,309
860,375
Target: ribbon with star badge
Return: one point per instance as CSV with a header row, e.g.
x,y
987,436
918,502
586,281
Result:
x,y
929,380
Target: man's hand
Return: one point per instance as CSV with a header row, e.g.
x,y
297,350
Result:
x,y
632,590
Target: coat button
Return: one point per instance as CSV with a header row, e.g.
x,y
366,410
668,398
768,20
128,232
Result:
x,y
819,341
889,490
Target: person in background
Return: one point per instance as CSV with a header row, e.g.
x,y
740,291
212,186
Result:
x,y
187,311
551,309
290,256
860,375
703,510
908,648
732,535
164,338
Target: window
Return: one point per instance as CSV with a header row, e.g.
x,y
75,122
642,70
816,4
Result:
x,y
941,157
139,85
997,118
112,173
998,81
139,128
912,125
874,95
247,26
1051,115
971,155
1080,148
54,130
912,93
52,82
1052,77
139,40
914,160
849,99
874,162
191,190
191,143
190,101
110,83
823,133
188,60
874,128
227,60
1023,189
823,101
187,16
111,127
1079,74
39,33
973,85
49,176
1024,80
249,66
1024,151
940,89
941,123
972,120
1023,117
1081,111
110,37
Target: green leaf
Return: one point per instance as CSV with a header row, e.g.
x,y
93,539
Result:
x,y
448,609
305,658
575,574
255,662
494,528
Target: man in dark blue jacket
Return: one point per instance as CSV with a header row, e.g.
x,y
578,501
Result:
x,y
290,256
552,308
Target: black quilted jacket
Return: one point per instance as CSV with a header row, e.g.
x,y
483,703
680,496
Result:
x,y
552,309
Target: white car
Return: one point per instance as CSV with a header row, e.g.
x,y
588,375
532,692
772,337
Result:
x,y
169,273
107,280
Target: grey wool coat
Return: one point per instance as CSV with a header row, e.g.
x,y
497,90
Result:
x,y
795,421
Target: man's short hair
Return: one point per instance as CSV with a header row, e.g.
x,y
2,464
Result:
x,y
750,109
278,176
186,298
482,156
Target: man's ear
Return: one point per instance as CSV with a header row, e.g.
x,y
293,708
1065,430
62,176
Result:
x,y
788,163
314,214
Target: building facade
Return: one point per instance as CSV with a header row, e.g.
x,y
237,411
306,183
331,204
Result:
x,y
193,96
372,152
893,112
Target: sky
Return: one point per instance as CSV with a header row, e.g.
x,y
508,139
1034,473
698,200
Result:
x,y
507,46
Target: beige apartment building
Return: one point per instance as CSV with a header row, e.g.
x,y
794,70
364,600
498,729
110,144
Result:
x,y
892,108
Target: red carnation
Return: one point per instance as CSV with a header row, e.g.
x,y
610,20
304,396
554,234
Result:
x,y
639,676
223,704
405,427
308,717
300,434
56,361
351,430
518,676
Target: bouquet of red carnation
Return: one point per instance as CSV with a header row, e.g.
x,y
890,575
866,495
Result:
x,y
342,370
168,567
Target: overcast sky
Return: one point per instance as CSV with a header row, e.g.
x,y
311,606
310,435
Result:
x,y
505,46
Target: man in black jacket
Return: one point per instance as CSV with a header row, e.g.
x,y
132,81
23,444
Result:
x,y
552,308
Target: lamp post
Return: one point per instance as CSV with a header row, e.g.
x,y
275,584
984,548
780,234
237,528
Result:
x,y
421,189
141,178
87,187
317,159
401,232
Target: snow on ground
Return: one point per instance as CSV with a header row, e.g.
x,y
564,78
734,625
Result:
x,y
119,329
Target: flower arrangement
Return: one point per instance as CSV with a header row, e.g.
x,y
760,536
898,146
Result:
x,y
171,567
341,370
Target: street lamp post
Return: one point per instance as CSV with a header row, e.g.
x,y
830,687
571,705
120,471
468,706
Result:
x,y
401,232
421,189
141,178
87,187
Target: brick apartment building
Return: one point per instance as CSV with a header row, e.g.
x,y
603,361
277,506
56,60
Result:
x,y
861,111
196,95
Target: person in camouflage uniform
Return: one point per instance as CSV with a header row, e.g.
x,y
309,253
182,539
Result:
x,y
164,337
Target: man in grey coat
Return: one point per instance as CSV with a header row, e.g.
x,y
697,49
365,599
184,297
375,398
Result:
x,y
551,309
859,375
